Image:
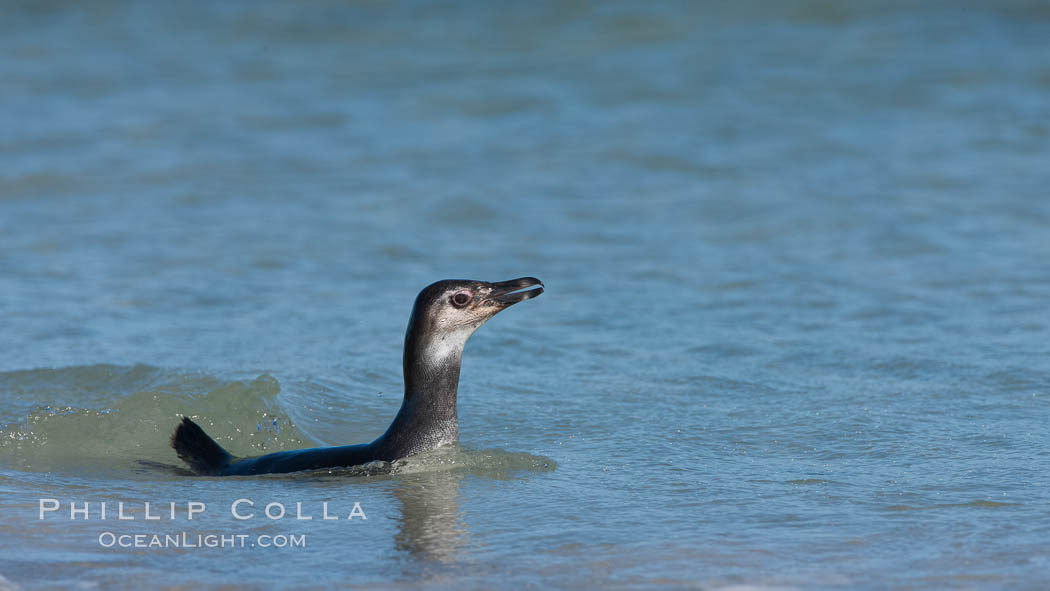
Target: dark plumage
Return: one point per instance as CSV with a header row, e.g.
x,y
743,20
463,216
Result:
x,y
444,316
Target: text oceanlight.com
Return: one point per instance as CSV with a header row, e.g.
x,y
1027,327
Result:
x,y
108,539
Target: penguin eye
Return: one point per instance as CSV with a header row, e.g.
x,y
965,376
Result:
x,y
461,299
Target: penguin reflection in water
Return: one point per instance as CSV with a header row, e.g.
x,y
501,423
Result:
x,y
444,316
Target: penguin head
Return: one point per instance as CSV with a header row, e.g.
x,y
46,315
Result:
x,y
447,312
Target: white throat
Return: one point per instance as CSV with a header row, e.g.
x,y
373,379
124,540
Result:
x,y
448,347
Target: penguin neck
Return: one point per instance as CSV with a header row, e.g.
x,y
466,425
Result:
x,y
427,418
431,366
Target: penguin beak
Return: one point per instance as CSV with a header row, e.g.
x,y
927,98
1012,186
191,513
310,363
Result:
x,y
508,293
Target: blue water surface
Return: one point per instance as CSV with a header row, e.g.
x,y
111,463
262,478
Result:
x,y
795,331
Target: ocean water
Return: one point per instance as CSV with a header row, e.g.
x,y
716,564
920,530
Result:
x,y
795,332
